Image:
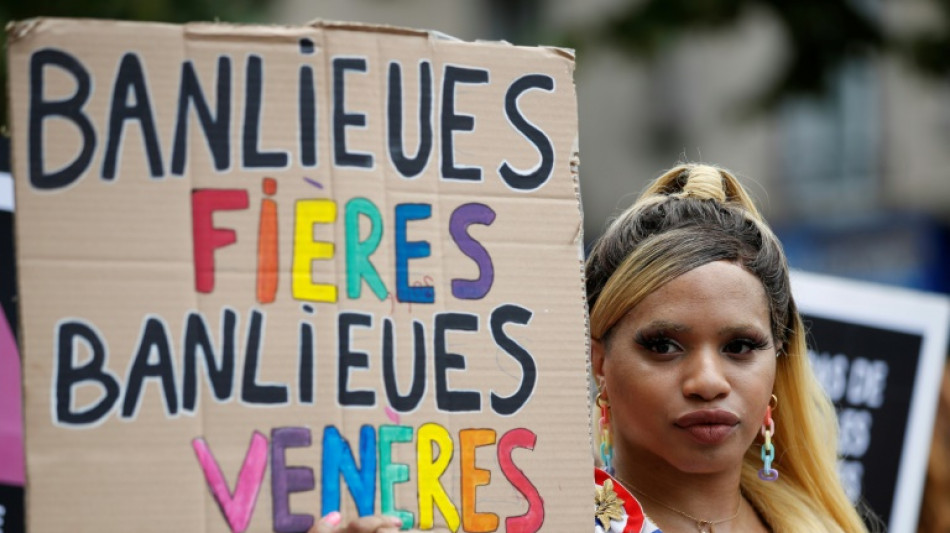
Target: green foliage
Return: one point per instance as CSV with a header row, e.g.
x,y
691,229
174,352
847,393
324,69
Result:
x,y
822,35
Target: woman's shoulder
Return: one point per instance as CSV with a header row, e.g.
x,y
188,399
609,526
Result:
x,y
616,510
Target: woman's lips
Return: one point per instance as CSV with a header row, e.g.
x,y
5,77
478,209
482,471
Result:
x,y
708,426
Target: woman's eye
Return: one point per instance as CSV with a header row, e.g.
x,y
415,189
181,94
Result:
x,y
742,346
661,346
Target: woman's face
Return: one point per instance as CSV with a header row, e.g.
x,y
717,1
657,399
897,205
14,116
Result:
x,y
689,371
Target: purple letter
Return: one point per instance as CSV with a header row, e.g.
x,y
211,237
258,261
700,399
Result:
x,y
462,218
285,480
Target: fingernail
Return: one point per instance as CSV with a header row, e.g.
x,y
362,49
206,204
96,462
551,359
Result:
x,y
395,520
332,519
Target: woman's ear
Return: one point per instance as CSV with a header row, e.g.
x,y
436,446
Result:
x,y
597,356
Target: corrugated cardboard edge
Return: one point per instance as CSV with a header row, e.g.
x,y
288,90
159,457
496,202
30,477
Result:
x,y
17,30
432,34
22,29
371,28
575,163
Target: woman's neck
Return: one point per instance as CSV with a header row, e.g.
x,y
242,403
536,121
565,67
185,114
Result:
x,y
682,501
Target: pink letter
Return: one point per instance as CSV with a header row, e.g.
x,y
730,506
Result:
x,y
239,506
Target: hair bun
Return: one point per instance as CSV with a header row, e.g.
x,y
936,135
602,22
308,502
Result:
x,y
702,182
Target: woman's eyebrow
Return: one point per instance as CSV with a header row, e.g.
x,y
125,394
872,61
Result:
x,y
740,329
666,325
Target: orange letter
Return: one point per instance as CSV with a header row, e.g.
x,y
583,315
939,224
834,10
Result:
x,y
267,246
472,477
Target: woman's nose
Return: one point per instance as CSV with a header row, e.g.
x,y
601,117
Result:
x,y
705,377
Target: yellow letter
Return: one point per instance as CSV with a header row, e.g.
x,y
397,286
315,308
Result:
x,y
307,250
430,469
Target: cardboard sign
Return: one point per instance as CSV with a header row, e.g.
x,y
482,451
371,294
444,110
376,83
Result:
x,y
879,352
271,272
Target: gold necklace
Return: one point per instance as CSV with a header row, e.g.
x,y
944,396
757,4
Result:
x,y
702,526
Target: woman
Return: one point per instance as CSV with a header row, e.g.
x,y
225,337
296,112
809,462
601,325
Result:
x,y
711,419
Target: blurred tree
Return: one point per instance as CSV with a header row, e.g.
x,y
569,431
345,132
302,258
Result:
x,y
152,10
822,36
928,48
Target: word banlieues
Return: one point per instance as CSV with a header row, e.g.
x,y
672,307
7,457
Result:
x,y
434,449
81,361
130,105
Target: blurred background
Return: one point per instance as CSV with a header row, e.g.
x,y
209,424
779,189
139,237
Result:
x,y
835,112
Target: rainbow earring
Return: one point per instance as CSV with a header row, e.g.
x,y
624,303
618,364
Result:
x,y
606,443
767,473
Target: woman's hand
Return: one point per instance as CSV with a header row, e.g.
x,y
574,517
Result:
x,y
367,524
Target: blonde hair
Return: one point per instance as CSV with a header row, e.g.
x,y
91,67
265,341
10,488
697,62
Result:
x,y
693,215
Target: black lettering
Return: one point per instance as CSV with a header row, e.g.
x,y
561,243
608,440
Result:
x,y
349,358
130,81
154,339
452,122
219,371
342,120
531,179
502,315
69,109
408,402
307,107
445,399
216,128
69,376
251,390
306,374
253,157
409,167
